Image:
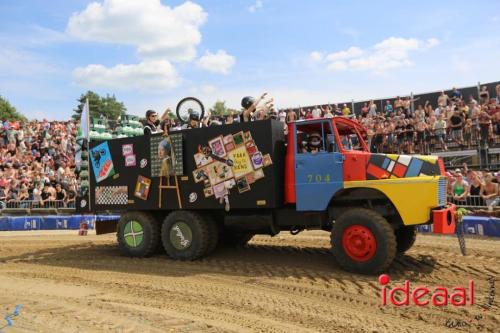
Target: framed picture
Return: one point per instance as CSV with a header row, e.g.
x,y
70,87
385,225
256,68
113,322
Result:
x,y
257,160
127,149
251,148
267,160
258,174
200,175
201,160
242,185
218,172
230,183
228,139
247,136
238,138
229,146
217,146
142,187
250,178
130,160
208,192
220,190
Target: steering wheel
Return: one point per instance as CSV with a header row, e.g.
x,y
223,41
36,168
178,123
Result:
x,y
187,106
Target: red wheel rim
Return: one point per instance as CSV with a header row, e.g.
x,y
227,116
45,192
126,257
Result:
x,y
359,243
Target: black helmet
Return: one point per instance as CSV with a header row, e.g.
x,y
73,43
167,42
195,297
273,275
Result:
x,y
149,113
314,140
247,102
194,116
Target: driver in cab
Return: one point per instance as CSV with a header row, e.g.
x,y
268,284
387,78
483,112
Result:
x,y
314,144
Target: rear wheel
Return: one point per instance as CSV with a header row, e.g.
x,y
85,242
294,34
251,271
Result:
x,y
138,234
405,238
363,241
187,235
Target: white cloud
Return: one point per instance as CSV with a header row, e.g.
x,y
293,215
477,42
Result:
x,y
219,62
151,75
351,52
154,29
257,5
390,53
316,56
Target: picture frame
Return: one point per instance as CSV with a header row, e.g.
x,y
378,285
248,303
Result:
x,y
130,160
267,161
229,146
127,149
242,185
208,192
142,187
238,139
251,147
230,183
257,160
201,160
217,146
250,178
218,172
247,136
200,175
258,174
220,190
228,139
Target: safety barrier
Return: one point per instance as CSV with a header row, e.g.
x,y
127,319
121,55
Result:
x,y
30,204
51,222
474,225
473,202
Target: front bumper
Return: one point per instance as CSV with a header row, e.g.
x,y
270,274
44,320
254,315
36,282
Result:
x,y
443,220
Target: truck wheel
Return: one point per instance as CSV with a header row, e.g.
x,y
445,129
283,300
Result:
x,y
405,238
363,241
232,239
138,234
187,236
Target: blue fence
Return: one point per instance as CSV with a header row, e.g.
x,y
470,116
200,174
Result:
x,y
475,225
51,222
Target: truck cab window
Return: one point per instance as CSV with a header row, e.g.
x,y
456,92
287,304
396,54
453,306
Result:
x,y
315,137
349,138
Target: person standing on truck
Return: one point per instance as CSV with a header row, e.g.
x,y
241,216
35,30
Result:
x,y
152,123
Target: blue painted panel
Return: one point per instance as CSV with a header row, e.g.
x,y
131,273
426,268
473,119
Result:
x,y
4,223
317,178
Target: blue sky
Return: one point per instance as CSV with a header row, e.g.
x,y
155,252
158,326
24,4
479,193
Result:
x,y
151,53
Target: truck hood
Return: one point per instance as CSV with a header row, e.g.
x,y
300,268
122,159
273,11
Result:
x,y
383,166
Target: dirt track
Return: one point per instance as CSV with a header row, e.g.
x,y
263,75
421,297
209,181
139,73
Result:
x,y
68,283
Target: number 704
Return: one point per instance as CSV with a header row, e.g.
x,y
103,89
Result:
x,y
318,178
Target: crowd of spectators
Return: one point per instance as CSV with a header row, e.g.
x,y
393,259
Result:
x,y
467,187
37,164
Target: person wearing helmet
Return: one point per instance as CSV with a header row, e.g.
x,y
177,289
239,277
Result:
x,y
194,121
314,143
152,123
249,104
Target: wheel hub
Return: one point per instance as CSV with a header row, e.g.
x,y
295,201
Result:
x,y
181,235
359,243
133,234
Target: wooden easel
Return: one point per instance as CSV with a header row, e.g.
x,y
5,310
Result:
x,y
168,184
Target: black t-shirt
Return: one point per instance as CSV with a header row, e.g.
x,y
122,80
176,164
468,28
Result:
x,y
456,120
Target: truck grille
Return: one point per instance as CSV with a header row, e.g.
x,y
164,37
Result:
x,y
442,191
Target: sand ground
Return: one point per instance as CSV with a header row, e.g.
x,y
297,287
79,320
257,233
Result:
x,y
70,283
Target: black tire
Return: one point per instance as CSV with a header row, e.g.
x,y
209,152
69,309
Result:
x,y
186,99
187,236
138,234
405,238
378,234
234,239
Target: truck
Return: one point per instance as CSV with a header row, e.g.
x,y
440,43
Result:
x,y
189,190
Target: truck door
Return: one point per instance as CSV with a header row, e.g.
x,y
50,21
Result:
x,y
318,165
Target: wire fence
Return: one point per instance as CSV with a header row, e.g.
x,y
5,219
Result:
x,y
30,204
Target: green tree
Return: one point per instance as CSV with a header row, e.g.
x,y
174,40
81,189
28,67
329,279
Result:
x,y
8,112
219,109
107,106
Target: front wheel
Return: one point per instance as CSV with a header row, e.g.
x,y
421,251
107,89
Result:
x,y
363,241
138,234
